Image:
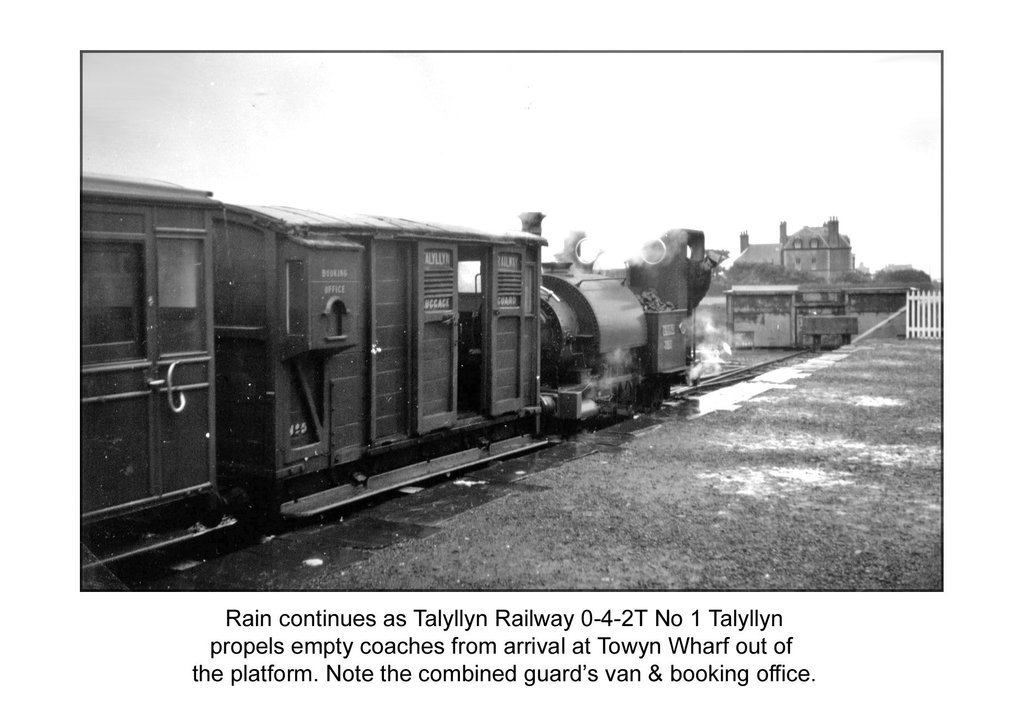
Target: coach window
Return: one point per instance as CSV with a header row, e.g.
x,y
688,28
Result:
x,y
113,315
180,295
338,313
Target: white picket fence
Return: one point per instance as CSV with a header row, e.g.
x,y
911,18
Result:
x,y
924,314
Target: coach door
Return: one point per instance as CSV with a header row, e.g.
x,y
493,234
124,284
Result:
x,y
437,335
182,376
507,326
147,428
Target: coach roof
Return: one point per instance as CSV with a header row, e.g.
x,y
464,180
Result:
x,y
142,189
369,225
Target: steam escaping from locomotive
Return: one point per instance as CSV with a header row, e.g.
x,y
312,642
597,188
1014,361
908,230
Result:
x,y
709,362
667,248
710,353
654,252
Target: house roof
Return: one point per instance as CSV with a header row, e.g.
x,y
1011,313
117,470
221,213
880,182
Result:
x,y
805,233
759,254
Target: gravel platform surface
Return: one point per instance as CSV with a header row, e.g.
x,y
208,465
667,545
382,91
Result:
x,y
831,481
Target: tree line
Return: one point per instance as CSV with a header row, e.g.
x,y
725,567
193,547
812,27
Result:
x,y
778,274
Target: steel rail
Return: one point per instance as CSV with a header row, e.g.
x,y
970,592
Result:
x,y
732,376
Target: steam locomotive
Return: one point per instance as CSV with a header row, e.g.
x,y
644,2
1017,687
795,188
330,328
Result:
x,y
288,361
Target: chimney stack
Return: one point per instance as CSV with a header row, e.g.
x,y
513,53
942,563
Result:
x,y
531,222
782,232
744,241
833,231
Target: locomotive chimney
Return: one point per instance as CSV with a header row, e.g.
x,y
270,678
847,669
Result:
x,y
744,241
531,222
571,251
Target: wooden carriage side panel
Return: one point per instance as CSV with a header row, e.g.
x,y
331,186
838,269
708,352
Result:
x,y
185,346
348,416
530,343
507,327
436,335
185,449
508,364
391,340
240,284
147,391
244,416
300,398
115,468
245,385
116,410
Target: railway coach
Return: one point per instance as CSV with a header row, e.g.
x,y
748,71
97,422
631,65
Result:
x,y
349,355
147,367
361,354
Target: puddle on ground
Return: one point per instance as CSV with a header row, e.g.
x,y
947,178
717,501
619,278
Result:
x,y
183,565
728,398
770,398
782,375
771,480
868,401
880,363
889,455
897,456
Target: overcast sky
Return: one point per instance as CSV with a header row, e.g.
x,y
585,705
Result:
x,y
621,146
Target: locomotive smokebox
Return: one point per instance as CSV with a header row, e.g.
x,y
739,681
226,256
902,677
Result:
x,y
531,222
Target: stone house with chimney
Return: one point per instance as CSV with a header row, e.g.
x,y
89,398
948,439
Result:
x,y
819,250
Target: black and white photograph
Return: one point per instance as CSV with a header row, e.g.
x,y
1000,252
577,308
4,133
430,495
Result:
x,y
551,354
512,321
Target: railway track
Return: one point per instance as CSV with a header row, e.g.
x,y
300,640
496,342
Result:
x,y
733,376
143,572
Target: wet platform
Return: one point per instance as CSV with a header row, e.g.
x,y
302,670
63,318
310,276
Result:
x,y
318,556
291,560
